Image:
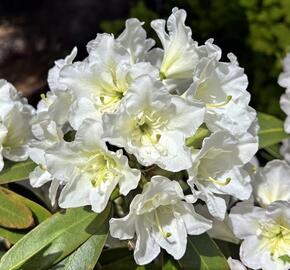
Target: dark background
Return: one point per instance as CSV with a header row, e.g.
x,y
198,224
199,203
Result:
x,y
34,33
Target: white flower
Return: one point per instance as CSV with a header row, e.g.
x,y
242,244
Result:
x,y
266,234
153,125
159,217
272,183
89,170
15,132
100,82
235,264
284,81
222,87
217,169
180,51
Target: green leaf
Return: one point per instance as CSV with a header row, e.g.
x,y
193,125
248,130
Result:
x,y
169,264
274,150
39,213
14,214
54,239
271,130
87,255
202,253
13,172
121,259
12,236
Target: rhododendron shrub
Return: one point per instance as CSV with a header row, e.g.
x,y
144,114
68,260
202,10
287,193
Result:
x,y
144,155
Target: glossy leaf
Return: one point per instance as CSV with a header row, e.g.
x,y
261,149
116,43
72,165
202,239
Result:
x,y
54,239
203,254
14,214
271,130
13,172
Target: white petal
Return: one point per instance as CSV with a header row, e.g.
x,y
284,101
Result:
x,y
235,264
195,224
76,193
272,183
146,248
100,195
176,243
133,38
245,218
123,228
39,177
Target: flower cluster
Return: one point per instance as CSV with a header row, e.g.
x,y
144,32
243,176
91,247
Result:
x,y
263,222
15,132
170,125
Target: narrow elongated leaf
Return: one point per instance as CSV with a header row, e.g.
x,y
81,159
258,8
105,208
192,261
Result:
x,y
13,212
13,172
54,239
87,255
203,254
271,130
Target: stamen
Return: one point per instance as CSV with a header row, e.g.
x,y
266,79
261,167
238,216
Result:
x,y
218,182
219,105
164,234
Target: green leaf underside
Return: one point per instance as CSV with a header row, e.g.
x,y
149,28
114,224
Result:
x,y
39,213
14,214
54,239
271,130
202,253
14,172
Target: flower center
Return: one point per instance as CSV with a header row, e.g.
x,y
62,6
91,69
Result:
x,y
148,128
100,167
112,91
276,238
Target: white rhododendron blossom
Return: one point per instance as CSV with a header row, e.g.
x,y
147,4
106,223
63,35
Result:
x,y
216,169
91,171
221,86
265,234
117,127
15,130
159,217
272,183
